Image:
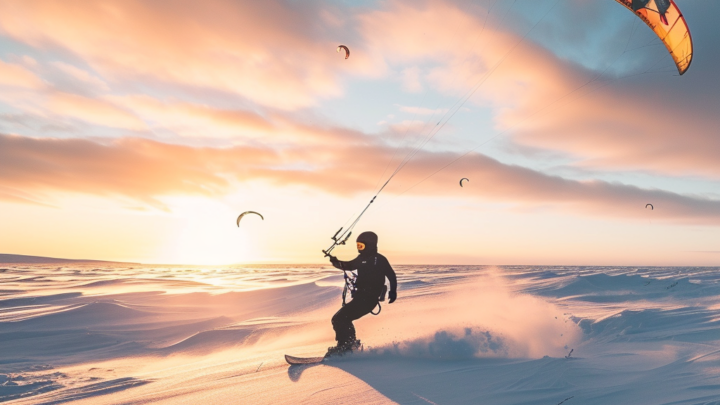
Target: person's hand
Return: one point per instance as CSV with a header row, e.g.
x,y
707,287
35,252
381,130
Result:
x,y
335,262
392,295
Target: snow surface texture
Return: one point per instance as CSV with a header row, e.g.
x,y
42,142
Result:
x,y
102,333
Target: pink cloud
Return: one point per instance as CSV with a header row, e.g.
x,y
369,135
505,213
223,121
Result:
x,y
96,111
630,129
281,56
655,123
85,78
137,168
495,181
271,52
144,170
12,75
194,120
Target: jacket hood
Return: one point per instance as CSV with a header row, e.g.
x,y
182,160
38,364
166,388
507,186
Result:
x,y
370,239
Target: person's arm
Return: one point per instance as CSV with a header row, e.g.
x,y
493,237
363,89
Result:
x,y
390,274
343,265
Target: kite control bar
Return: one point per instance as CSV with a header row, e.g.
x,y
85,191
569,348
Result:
x,y
336,241
340,240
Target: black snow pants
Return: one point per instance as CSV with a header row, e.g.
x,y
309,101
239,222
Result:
x,y
360,306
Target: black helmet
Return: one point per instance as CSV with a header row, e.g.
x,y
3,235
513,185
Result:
x,y
367,242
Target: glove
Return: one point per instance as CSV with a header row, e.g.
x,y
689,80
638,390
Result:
x,y
335,262
392,295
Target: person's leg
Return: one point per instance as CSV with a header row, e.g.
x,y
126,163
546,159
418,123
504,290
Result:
x,y
342,324
342,320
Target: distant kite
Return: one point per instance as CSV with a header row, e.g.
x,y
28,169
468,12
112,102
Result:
x,y
345,48
461,180
248,212
649,205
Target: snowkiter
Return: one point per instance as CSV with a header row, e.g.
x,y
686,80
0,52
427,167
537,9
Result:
x,y
372,269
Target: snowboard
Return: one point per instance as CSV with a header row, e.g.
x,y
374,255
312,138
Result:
x,y
303,360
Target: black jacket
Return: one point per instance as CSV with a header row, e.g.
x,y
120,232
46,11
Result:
x,y
372,268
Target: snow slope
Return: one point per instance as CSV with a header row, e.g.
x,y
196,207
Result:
x,y
123,333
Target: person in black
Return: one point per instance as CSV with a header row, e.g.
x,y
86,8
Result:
x,y
372,269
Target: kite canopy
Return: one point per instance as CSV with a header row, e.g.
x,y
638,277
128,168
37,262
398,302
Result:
x,y
345,48
461,180
665,18
649,205
248,212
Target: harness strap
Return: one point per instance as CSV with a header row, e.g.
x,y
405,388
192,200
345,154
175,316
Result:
x,y
379,309
350,286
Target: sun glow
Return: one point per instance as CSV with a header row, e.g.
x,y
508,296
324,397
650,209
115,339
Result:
x,y
209,235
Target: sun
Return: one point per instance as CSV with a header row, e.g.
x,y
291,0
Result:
x,y
207,234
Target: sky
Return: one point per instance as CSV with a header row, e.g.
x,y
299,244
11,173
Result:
x,y
138,131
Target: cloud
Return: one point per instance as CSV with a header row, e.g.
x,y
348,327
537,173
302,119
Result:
x,y
93,110
18,196
657,123
625,128
195,120
12,75
249,74
450,41
25,91
83,77
275,53
422,110
281,55
144,170
132,167
493,180
411,79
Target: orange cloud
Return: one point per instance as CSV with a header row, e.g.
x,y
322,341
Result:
x,y
274,56
273,53
137,168
85,78
493,180
630,129
12,75
194,120
654,123
94,110
144,170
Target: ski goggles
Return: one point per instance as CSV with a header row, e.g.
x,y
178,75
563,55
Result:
x,y
360,246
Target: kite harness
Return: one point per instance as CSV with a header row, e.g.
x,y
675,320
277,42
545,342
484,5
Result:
x,y
349,284
351,287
